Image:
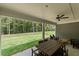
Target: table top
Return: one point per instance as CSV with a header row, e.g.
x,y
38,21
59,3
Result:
x,y
49,47
63,41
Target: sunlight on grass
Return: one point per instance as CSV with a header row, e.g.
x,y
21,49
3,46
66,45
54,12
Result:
x,y
17,42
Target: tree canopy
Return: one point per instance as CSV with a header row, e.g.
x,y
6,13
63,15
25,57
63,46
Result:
x,y
11,25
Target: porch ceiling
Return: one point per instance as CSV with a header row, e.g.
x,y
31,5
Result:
x,y
40,11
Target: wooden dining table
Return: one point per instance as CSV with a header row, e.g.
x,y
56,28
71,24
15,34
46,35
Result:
x,y
49,47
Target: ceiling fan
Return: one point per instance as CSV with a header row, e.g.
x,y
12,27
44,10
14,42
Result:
x,y
61,17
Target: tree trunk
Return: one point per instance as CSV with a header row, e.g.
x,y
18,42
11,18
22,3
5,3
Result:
x,y
33,27
24,26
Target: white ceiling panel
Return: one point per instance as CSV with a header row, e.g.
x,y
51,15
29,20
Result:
x,y
75,7
49,13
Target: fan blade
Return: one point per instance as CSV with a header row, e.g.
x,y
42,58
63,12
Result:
x,y
57,17
61,16
64,17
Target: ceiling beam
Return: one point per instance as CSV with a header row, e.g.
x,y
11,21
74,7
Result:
x,y
71,8
9,12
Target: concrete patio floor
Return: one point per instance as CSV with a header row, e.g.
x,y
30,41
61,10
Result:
x,y
26,52
72,52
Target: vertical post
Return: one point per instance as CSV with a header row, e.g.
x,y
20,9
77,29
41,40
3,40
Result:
x,y
0,28
9,26
13,25
0,36
56,31
43,31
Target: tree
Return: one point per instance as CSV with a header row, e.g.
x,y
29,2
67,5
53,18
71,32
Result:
x,y
11,25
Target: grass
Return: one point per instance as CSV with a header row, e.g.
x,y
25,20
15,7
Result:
x,y
14,43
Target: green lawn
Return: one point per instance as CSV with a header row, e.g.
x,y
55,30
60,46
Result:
x,y
14,43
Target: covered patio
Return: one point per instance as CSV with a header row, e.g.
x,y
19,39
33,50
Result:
x,y
64,17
